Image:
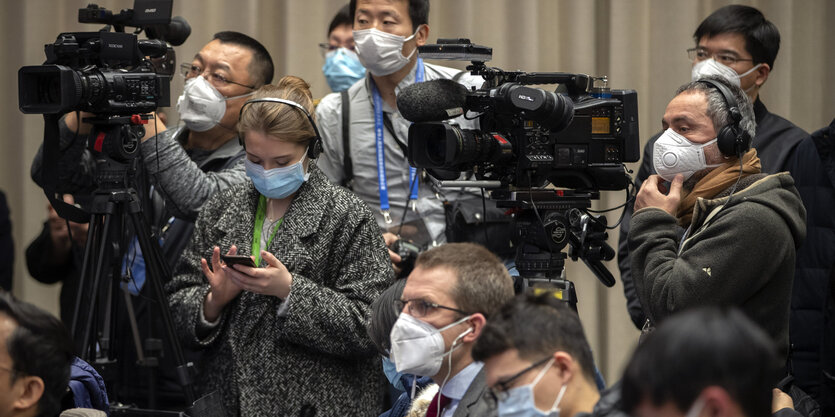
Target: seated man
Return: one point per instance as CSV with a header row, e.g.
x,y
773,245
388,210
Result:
x,y
742,227
448,297
708,361
35,356
538,360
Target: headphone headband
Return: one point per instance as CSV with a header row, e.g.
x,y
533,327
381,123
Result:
x,y
315,147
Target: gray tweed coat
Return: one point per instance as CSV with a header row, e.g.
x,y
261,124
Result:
x,y
315,355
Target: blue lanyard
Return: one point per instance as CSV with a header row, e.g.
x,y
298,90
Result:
x,y
382,183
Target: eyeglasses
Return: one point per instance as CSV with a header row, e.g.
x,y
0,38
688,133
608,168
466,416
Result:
x,y
499,391
421,308
190,71
724,58
326,47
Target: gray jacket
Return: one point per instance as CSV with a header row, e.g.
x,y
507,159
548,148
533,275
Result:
x,y
184,183
741,255
363,152
315,353
476,402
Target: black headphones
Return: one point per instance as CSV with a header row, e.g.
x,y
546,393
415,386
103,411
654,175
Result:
x,y
731,139
315,147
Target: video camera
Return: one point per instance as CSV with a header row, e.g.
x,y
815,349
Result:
x,y
577,139
107,73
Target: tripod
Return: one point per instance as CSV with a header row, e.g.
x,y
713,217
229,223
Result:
x,y
547,221
116,145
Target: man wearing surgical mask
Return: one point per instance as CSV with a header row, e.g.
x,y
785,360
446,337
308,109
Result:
x,y
342,65
737,43
539,363
368,151
742,227
443,309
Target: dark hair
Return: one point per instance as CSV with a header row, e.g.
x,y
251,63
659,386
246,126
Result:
x,y
39,346
383,316
536,326
762,39
261,66
699,348
342,17
483,283
418,12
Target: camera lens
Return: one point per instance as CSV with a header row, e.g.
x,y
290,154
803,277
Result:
x,y
440,145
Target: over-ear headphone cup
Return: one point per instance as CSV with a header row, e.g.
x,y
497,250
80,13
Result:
x,y
315,148
726,141
732,141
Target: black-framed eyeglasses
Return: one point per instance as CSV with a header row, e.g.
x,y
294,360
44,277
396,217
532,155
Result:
x,y
499,390
188,70
420,308
724,58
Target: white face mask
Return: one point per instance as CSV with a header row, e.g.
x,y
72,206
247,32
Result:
x,y
674,154
381,52
417,347
201,106
696,408
710,66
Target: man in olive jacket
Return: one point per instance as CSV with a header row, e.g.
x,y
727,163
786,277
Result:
x,y
743,227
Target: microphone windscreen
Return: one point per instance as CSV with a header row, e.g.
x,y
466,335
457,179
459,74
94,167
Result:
x,y
432,101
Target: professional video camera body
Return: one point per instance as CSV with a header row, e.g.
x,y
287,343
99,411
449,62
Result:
x,y
119,78
577,140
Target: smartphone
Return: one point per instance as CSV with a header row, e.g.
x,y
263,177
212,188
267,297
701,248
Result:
x,y
230,260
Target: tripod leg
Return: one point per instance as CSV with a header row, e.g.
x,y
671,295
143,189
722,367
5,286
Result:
x,y
88,340
155,272
92,238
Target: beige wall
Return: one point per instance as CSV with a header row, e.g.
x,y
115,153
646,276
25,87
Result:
x,y
640,44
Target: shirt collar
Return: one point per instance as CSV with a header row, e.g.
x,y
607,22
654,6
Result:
x,y
458,385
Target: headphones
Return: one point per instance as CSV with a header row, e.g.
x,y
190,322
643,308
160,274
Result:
x,y
731,139
315,147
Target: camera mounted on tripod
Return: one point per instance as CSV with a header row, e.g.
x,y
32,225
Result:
x,y
544,154
104,72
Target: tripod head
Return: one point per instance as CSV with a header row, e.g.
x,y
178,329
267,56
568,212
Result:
x,y
547,221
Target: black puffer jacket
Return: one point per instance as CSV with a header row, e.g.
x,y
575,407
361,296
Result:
x,y
812,325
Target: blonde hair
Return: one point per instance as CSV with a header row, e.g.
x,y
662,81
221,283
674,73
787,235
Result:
x,y
277,119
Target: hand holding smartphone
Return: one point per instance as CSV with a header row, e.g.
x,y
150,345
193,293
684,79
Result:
x,y
238,260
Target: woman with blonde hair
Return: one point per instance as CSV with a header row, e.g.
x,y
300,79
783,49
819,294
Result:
x,y
286,337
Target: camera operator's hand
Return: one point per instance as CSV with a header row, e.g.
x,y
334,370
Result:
x,y
390,238
223,289
654,194
780,400
61,243
273,280
154,126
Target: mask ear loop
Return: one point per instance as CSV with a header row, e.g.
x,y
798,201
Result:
x,y
449,365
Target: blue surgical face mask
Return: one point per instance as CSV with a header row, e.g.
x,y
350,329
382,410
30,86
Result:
x,y
519,401
277,182
342,69
394,377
